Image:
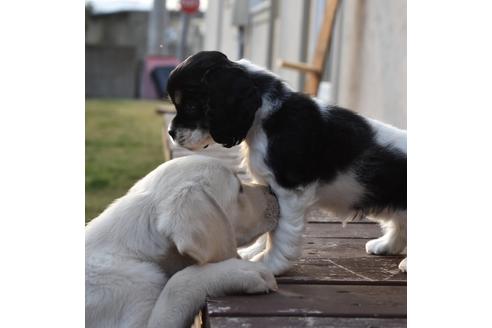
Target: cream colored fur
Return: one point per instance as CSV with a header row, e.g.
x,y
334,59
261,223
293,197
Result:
x,y
155,254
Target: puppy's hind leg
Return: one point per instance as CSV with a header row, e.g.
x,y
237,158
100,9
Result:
x,y
394,240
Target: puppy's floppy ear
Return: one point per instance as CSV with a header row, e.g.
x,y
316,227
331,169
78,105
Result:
x,y
201,229
232,103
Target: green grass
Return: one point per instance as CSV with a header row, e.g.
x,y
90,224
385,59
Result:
x,y
123,142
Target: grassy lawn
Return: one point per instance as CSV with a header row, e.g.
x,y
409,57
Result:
x,y
123,142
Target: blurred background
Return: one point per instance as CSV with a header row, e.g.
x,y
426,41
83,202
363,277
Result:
x,y
348,52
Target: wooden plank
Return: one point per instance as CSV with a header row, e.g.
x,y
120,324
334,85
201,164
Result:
x,y
306,68
327,259
320,215
337,230
295,322
323,248
322,48
350,254
377,270
316,300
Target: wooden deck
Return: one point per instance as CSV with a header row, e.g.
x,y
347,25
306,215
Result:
x,y
334,283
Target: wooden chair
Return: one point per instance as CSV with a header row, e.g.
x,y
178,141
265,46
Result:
x,y
314,71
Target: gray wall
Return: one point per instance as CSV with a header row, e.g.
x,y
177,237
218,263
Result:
x,y
115,44
276,30
127,29
110,71
369,68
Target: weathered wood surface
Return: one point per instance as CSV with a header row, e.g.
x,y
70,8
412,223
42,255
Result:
x,y
316,300
337,230
356,270
333,253
295,322
335,283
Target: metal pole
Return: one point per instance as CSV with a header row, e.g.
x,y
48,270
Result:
x,y
272,12
241,41
158,18
185,23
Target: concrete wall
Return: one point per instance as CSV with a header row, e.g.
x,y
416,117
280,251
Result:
x,y
110,71
128,29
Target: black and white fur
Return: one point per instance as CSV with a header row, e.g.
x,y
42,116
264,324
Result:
x,y
311,154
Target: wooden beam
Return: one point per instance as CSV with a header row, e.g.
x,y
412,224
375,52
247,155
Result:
x,y
303,67
165,110
322,48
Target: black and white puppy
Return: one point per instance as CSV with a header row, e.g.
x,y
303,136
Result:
x,y
311,154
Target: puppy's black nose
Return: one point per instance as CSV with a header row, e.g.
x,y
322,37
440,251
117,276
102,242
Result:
x,y
172,133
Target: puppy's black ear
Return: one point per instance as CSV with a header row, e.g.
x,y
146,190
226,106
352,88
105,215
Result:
x,y
233,100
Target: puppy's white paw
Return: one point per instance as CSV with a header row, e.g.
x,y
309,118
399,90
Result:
x,y
403,265
376,246
277,265
257,282
383,246
252,278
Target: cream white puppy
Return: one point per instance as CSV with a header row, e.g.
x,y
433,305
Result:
x,y
155,254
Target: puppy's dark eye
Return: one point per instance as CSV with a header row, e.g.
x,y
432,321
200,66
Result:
x,y
241,188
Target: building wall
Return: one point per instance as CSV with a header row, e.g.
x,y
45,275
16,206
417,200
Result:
x,y
258,35
220,34
276,30
291,33
110,71
367,62
370,66
116,45
128,29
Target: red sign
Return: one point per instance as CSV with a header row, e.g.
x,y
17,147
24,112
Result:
x,y
190,6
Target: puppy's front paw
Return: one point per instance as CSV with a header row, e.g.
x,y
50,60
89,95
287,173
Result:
x,y
277,265
252,278
258,282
